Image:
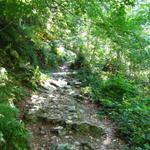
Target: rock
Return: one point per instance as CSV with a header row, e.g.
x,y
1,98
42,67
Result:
x,y
69,121
67,137
42,131
54,131
77,83
54,121
82,111
46,85
77,143
85,128
53,138
97,140
41,148
68,87
75,116
69,117
72,108
70,91
86,146
65,146
57,130
78,96
58,83
77,86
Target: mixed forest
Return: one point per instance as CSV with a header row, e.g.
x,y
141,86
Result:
x,y
106,41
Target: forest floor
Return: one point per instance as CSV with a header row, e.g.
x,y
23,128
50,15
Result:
x,y
61,118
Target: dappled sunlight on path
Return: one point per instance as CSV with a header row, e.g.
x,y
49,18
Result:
x,y
64,118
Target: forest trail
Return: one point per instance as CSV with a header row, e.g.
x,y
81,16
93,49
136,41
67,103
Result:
x,y
63,119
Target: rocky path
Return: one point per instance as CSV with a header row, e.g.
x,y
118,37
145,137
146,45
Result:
x,y
62,119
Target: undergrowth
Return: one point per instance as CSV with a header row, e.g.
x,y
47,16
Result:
x,y
13,135
124,102
24,53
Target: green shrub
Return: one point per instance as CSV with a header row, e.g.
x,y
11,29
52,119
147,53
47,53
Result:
x,y
9,90
117,87
28,76
13,133
123,102
134,121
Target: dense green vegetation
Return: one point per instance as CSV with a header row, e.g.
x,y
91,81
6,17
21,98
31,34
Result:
x,y
111,41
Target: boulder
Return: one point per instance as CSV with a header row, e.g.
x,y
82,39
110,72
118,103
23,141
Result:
x,y
85,128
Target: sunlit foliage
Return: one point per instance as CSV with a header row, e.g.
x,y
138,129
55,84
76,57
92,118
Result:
x,y
111,40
